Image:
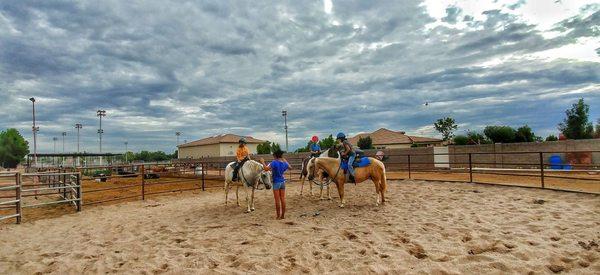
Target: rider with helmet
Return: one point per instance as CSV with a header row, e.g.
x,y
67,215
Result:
x,y
347,152
315,148
242,155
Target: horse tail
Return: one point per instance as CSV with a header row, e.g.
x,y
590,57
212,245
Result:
x,y
383,178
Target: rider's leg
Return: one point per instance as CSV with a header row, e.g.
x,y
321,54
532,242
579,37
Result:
x,y
236,168
350,162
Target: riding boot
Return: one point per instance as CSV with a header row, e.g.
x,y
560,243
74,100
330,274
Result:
x,y
235,172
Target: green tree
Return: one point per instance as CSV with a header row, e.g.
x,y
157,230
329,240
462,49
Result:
x,y
13,148
327,142
551,138
500,134
275,147
365,143
460,140
576,124
476,138
264,148
446,127
525,134
597,133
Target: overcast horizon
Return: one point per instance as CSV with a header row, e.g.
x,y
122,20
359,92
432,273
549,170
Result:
x,y
159,67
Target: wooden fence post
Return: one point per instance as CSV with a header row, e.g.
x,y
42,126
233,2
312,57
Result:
x,y
18,196
142,171
470,168
542,169
409,175
202,167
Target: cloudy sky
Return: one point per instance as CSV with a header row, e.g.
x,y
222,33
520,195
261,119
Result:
x,y
158,67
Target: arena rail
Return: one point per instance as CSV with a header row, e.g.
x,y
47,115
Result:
x,y
13,203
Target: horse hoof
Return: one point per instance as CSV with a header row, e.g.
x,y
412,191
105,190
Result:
x,y
252,209
341,206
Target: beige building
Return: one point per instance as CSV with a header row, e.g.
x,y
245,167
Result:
x,y
216,146
388,139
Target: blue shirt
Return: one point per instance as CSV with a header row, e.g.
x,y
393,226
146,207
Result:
x,y
278,168
315,147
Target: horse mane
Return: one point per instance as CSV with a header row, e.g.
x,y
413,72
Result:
x,y
254,164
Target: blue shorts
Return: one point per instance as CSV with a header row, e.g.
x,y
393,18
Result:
x,y
279,185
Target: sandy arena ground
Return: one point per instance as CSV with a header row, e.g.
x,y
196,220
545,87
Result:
x,y
426,227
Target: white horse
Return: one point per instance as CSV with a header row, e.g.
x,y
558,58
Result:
x,y
250,176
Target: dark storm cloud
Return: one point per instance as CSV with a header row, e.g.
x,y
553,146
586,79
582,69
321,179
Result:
x,y
206,68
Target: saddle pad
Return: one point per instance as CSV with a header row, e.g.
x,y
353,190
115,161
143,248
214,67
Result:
x,y
363,162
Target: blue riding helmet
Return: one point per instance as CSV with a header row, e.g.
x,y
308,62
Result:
x,y
341,136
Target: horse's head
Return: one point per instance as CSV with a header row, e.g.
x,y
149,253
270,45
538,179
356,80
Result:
x,y
265,177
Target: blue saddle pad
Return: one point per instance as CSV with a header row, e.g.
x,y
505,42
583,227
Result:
x,y
364,161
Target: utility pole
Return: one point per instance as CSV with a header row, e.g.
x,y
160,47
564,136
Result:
x,y
34,130
284,114
177,134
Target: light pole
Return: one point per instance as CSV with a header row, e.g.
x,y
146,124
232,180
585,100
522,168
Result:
x,y
126,151
100,114
54,157
284,114
34,129
78,126
177,134
64,134
62,159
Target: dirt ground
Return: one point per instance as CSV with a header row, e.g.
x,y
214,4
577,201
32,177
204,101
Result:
x,y
424,228
93,194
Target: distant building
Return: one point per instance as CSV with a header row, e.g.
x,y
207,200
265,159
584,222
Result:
x,y
215,146
388,139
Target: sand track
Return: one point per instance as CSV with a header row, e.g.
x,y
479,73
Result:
x,y
425,227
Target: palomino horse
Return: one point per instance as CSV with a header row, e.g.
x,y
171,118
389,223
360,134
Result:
x,y
251,175
306,166
332,166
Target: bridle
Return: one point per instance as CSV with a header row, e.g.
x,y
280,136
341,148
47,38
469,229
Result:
x,y
329,180
255,186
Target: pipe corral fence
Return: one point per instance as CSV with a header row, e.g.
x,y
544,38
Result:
x,y
44,188
87,186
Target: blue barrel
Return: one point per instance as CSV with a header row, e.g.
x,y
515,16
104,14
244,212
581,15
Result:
x,y
556,162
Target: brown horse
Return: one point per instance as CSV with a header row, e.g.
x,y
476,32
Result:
x,y
374,171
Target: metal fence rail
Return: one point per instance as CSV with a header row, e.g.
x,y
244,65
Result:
x,y
12,203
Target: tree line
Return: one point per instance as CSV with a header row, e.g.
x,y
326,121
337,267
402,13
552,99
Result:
x,y
576,125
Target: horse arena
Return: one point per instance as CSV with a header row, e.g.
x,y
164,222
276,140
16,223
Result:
x,y
172,219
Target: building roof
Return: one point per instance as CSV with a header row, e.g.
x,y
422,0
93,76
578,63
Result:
x,y
385,136
226,138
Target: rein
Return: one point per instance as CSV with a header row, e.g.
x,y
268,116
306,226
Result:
x,y
329,178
